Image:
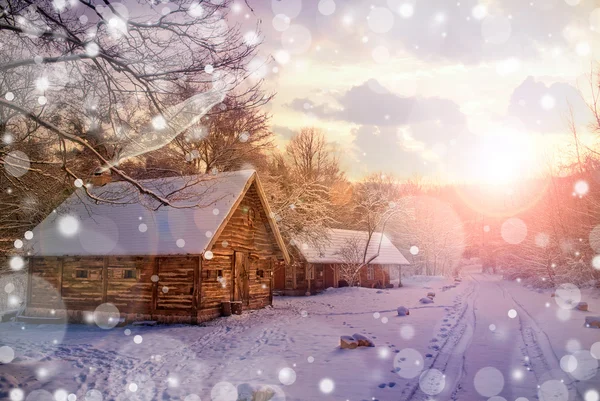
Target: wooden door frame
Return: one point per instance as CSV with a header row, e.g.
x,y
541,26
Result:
x,y
246,280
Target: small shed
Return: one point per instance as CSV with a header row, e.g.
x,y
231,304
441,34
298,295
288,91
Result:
x,y
218,242
317,267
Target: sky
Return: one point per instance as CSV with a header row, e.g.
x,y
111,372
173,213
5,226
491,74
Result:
x,y
443,89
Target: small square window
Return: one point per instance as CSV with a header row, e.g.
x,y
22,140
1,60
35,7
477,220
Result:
x,y
260,273
130,273
81,273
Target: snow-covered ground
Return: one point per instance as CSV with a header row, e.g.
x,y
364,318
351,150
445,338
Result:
x,y
464,346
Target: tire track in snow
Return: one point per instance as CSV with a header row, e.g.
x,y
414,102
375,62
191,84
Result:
x,y
451,354
545,362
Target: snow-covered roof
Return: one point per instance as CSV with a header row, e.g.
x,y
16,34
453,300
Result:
x,y
201,203
330,251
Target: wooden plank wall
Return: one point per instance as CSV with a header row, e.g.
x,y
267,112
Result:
x,y
82,294
130,295
44,287
214,292
256,240
176,284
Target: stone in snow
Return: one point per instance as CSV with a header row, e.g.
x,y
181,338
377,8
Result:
x,y
426,300
431,294
363,341
592,322
582,306
348,342
403,311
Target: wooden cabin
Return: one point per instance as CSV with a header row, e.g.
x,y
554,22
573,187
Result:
x,y
315,268
217,243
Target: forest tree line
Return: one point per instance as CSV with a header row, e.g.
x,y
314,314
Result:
x,y
79,95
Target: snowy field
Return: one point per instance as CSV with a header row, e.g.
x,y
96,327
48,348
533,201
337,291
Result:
x,y
483,339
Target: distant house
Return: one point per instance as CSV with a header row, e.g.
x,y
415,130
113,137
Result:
x,y
218,242
317,268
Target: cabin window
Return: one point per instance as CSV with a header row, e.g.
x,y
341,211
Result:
x,y
310,272
80,273
260,273
129,273
249,215
212,275
370,272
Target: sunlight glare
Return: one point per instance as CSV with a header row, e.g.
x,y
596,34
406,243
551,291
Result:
x,y
503,158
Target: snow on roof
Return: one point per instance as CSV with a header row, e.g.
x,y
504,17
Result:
x,y
329,251
201,203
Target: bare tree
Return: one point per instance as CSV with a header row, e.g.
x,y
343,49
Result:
x,y
91,85
352,260
229,139
305,186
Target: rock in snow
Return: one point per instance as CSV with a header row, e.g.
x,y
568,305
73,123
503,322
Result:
x,y
403,311
583,306
363,341
426,300
431,294
593,322
348,342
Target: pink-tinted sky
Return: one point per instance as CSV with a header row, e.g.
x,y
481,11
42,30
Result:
x,y
452,90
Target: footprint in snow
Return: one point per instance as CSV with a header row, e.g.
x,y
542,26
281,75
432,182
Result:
x,y
428,356
382,385
391,384
434,340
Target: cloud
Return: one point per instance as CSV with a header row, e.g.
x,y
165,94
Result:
x,y
393,133
284,132
543,108
367,104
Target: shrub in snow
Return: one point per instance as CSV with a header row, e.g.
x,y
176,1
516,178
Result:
x,y
431,294
403,311
426,300
583,306
363,341
593,322
348,342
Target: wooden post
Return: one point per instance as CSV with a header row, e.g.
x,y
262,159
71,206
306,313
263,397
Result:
x,y
61,266
105,280
195,292
29,277
272,277
294,283
308,272
155,287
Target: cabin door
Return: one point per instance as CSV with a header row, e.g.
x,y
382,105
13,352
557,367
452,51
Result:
x,y
241,273
279,274
329,276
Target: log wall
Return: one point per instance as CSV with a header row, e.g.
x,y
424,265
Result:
x,y
189,289
247,231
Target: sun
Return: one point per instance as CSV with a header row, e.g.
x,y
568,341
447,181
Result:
x,y
504,158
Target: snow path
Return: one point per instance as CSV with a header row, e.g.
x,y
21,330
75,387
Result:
x,y
453,335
